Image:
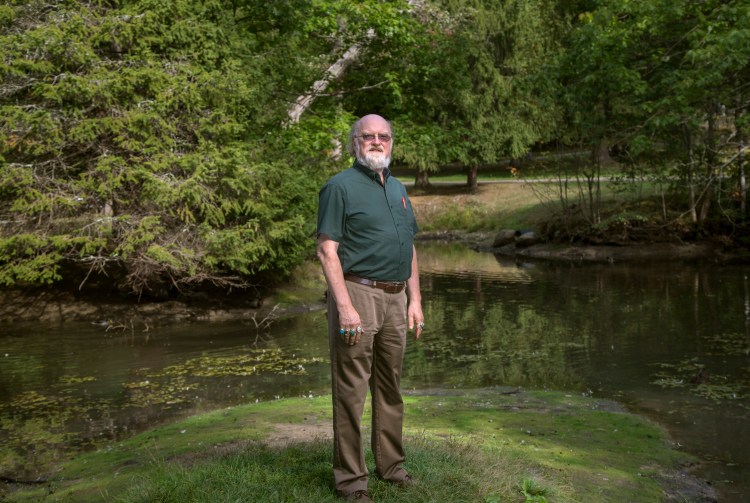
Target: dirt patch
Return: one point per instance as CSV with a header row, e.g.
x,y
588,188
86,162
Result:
x,y
287,434
283,435
682,485
113,314
216,451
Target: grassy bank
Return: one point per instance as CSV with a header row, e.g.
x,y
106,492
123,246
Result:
x,y
492,207
478,446
625,213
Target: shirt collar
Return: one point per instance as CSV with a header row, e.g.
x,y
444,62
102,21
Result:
x,y
370,173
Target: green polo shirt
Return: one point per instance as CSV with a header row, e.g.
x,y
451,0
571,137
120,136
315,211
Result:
x,y
373,224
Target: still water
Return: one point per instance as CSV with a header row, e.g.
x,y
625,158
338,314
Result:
x,y
671,341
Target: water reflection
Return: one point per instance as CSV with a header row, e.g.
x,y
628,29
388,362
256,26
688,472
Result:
x,y
671,341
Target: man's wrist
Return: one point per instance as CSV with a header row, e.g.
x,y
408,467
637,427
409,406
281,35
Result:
x,y
343,306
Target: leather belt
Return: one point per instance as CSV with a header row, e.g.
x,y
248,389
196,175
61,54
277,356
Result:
x,y
387,286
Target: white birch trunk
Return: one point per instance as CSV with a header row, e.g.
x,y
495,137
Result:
x,y
335,71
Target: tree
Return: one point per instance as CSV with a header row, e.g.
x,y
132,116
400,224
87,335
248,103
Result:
x,y
135,145
714,99
664,81
366,61
458,80
482,88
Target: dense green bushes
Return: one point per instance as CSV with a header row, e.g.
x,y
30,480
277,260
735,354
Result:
x,y
143,141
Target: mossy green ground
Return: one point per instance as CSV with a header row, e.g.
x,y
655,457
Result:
x,y
472,446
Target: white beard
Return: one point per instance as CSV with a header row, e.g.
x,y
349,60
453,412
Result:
x,y
376,161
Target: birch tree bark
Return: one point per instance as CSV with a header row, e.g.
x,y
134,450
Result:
x,y
335,71
419,9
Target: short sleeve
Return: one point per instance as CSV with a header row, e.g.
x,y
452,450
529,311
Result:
x,y
331,212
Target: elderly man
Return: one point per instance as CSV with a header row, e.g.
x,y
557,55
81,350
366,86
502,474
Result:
x,y
366,233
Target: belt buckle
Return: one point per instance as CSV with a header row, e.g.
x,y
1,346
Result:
x,y
395,286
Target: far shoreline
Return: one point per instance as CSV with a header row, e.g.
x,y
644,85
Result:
x,y
120,313
707,251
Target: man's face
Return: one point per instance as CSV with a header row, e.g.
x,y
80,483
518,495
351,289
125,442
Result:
x,y
374,143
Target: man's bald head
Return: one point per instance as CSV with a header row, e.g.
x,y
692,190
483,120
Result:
x,y
371,141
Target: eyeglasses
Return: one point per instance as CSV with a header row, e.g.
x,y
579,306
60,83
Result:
x,y
385,138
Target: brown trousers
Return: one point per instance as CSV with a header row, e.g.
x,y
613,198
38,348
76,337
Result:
x,y
375,360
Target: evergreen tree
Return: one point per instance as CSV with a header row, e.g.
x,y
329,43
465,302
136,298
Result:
x,y
136,143
483,97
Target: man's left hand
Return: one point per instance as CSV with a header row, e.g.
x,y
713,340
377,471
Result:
x,y
415,318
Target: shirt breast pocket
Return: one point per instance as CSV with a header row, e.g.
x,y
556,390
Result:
x,y
404,216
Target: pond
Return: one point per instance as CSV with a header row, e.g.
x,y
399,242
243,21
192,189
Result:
x,y
671,341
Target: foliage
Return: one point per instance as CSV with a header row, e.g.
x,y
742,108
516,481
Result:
x,y
150,144
498,107
664,81
532,492
478,95
134,140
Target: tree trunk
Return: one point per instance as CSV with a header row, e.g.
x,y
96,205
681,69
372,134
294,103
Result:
x,y
593,181
709,192
471,178
335,71
740,157
690,178
422,180
743,180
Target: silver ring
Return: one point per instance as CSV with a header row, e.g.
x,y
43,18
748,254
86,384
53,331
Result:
x,y
359,330
421,324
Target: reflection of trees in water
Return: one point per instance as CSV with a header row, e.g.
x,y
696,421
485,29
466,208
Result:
x,y
482,342
566,324
454,259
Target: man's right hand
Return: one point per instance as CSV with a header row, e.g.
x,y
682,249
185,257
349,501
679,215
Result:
x,y
350,325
